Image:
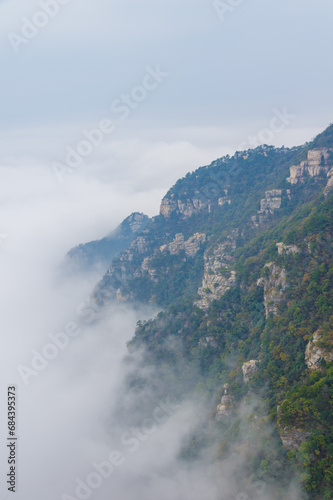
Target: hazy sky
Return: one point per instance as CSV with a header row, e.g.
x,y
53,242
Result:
x,y
229,65
67,65
223,73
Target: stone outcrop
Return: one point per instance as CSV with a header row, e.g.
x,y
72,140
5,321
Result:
x,y
137,221
271,202
191,246
274,284
185,208
227,405
225,199
140,244
137,262
212,193
218,275
329,184
208,341
315,352
317,164
102,252
249,369
287,249
291,437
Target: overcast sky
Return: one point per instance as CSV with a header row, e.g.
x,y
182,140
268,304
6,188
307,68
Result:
x,y
229,66
225,69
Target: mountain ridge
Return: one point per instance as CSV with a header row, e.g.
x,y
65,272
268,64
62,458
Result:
x,y
101,252
240,261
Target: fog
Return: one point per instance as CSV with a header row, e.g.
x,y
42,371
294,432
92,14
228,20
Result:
x,y
80,434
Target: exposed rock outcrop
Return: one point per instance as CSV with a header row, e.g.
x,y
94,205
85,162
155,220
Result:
x,y
316,352
274,284
139,244
291,437
272,201
249,369
218,275
227,405
318,163
208,341
212,193
329,184
137,262
225,199
101,252
191,246
184,208
287,249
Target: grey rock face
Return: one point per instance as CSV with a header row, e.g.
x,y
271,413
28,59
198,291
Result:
x,y
271,202
317,164
315,354
274,285
287,249
218,275
249,369
191,246
227,405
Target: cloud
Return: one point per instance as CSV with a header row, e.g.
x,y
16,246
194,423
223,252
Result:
x,y
68,415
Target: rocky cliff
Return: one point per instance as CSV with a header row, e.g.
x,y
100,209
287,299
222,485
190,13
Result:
x,y
318,350
218,273
242,268
101,252
274,283
226,406
319,162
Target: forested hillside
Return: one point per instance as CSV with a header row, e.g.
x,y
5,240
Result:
x,y
240,260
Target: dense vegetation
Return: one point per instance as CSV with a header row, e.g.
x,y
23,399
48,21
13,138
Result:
x,y
207,349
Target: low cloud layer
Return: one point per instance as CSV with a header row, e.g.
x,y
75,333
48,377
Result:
x,y
68,360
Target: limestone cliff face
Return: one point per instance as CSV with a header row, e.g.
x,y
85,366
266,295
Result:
x,y
316,351
287,249
249,369
218,275
227,405
208,341
291,437
191,246
274,284
101,252
268,205
318,163
329,184
272,201
198,201
225,199
137,263
137,221
185,208
168,206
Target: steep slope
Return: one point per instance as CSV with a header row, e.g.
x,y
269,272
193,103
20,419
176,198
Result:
x,y
101,252
166,260
241,260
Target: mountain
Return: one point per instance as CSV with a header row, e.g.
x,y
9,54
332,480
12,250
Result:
x,y
101,252
240,261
